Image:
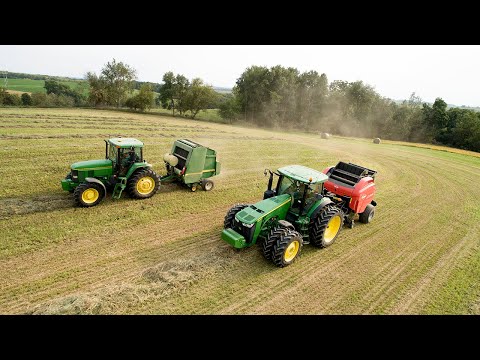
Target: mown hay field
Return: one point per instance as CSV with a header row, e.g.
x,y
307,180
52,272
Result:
x,y
164,255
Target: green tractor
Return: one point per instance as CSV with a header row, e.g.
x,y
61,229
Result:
x,y
300,210
123,168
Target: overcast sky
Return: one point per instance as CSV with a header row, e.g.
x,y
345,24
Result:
x,y
449,72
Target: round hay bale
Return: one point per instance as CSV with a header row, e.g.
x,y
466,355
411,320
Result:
x,y
376,141
325,135
171,159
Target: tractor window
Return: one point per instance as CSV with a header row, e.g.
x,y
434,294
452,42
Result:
x,y
287,186
112,153
138,154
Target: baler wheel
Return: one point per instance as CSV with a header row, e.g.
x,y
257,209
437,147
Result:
x,y
88,194
143,184
207,185
270,240
326,226
287,248
228,221
367,216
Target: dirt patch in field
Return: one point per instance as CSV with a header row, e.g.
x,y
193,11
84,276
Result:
x,y
41,203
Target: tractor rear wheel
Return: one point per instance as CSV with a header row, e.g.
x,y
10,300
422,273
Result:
x,y
207,185
143,184
270,240
287,248
367,216
88,194
228,221
326,226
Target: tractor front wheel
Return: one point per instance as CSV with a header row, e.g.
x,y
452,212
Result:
x,y
287,248
207,185
270,240
143,184
367,216
88,194
228,221
326,226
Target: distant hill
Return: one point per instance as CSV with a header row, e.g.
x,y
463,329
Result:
x,y
13,75
32,83
222,90
474,108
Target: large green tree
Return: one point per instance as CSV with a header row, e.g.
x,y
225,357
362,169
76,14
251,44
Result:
x,y
143,100
119,81
173,91
113,85
197,97
98,89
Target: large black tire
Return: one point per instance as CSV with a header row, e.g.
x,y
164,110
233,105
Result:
x,y
330,217
287,248
270,240
88,194
143,184
228,221
207,185
367,216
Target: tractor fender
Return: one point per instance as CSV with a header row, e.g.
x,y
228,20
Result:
x,y
285,224
322,204
93,180
135,167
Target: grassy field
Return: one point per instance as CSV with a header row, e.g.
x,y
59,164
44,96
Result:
x,y
164,255
34,86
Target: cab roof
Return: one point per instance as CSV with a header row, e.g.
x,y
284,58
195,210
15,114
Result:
x,y
125,142
303,174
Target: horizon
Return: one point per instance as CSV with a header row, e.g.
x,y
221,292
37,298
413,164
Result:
x,y
394,71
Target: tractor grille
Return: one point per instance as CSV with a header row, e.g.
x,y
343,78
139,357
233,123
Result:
x,y
246,232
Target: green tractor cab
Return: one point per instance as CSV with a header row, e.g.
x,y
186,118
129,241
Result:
x,y
191,164
293,213
122,169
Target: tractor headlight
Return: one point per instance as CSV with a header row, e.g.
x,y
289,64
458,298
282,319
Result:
x,y
247,225
74,175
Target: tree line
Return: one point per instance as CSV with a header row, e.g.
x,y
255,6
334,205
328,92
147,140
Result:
x,y
116,85
286,98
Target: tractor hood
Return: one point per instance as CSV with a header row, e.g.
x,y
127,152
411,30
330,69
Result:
x,y
255,212
91,164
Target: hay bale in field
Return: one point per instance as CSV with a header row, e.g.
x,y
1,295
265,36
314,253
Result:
x,y
325,135
376,141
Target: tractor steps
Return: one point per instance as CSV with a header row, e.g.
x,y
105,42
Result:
x,y
119,187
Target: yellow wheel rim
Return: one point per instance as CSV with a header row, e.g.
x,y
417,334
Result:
x,y
292,251
332,229
145,185
90,195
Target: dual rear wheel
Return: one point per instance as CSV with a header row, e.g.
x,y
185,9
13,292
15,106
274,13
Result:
x,y
284,244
